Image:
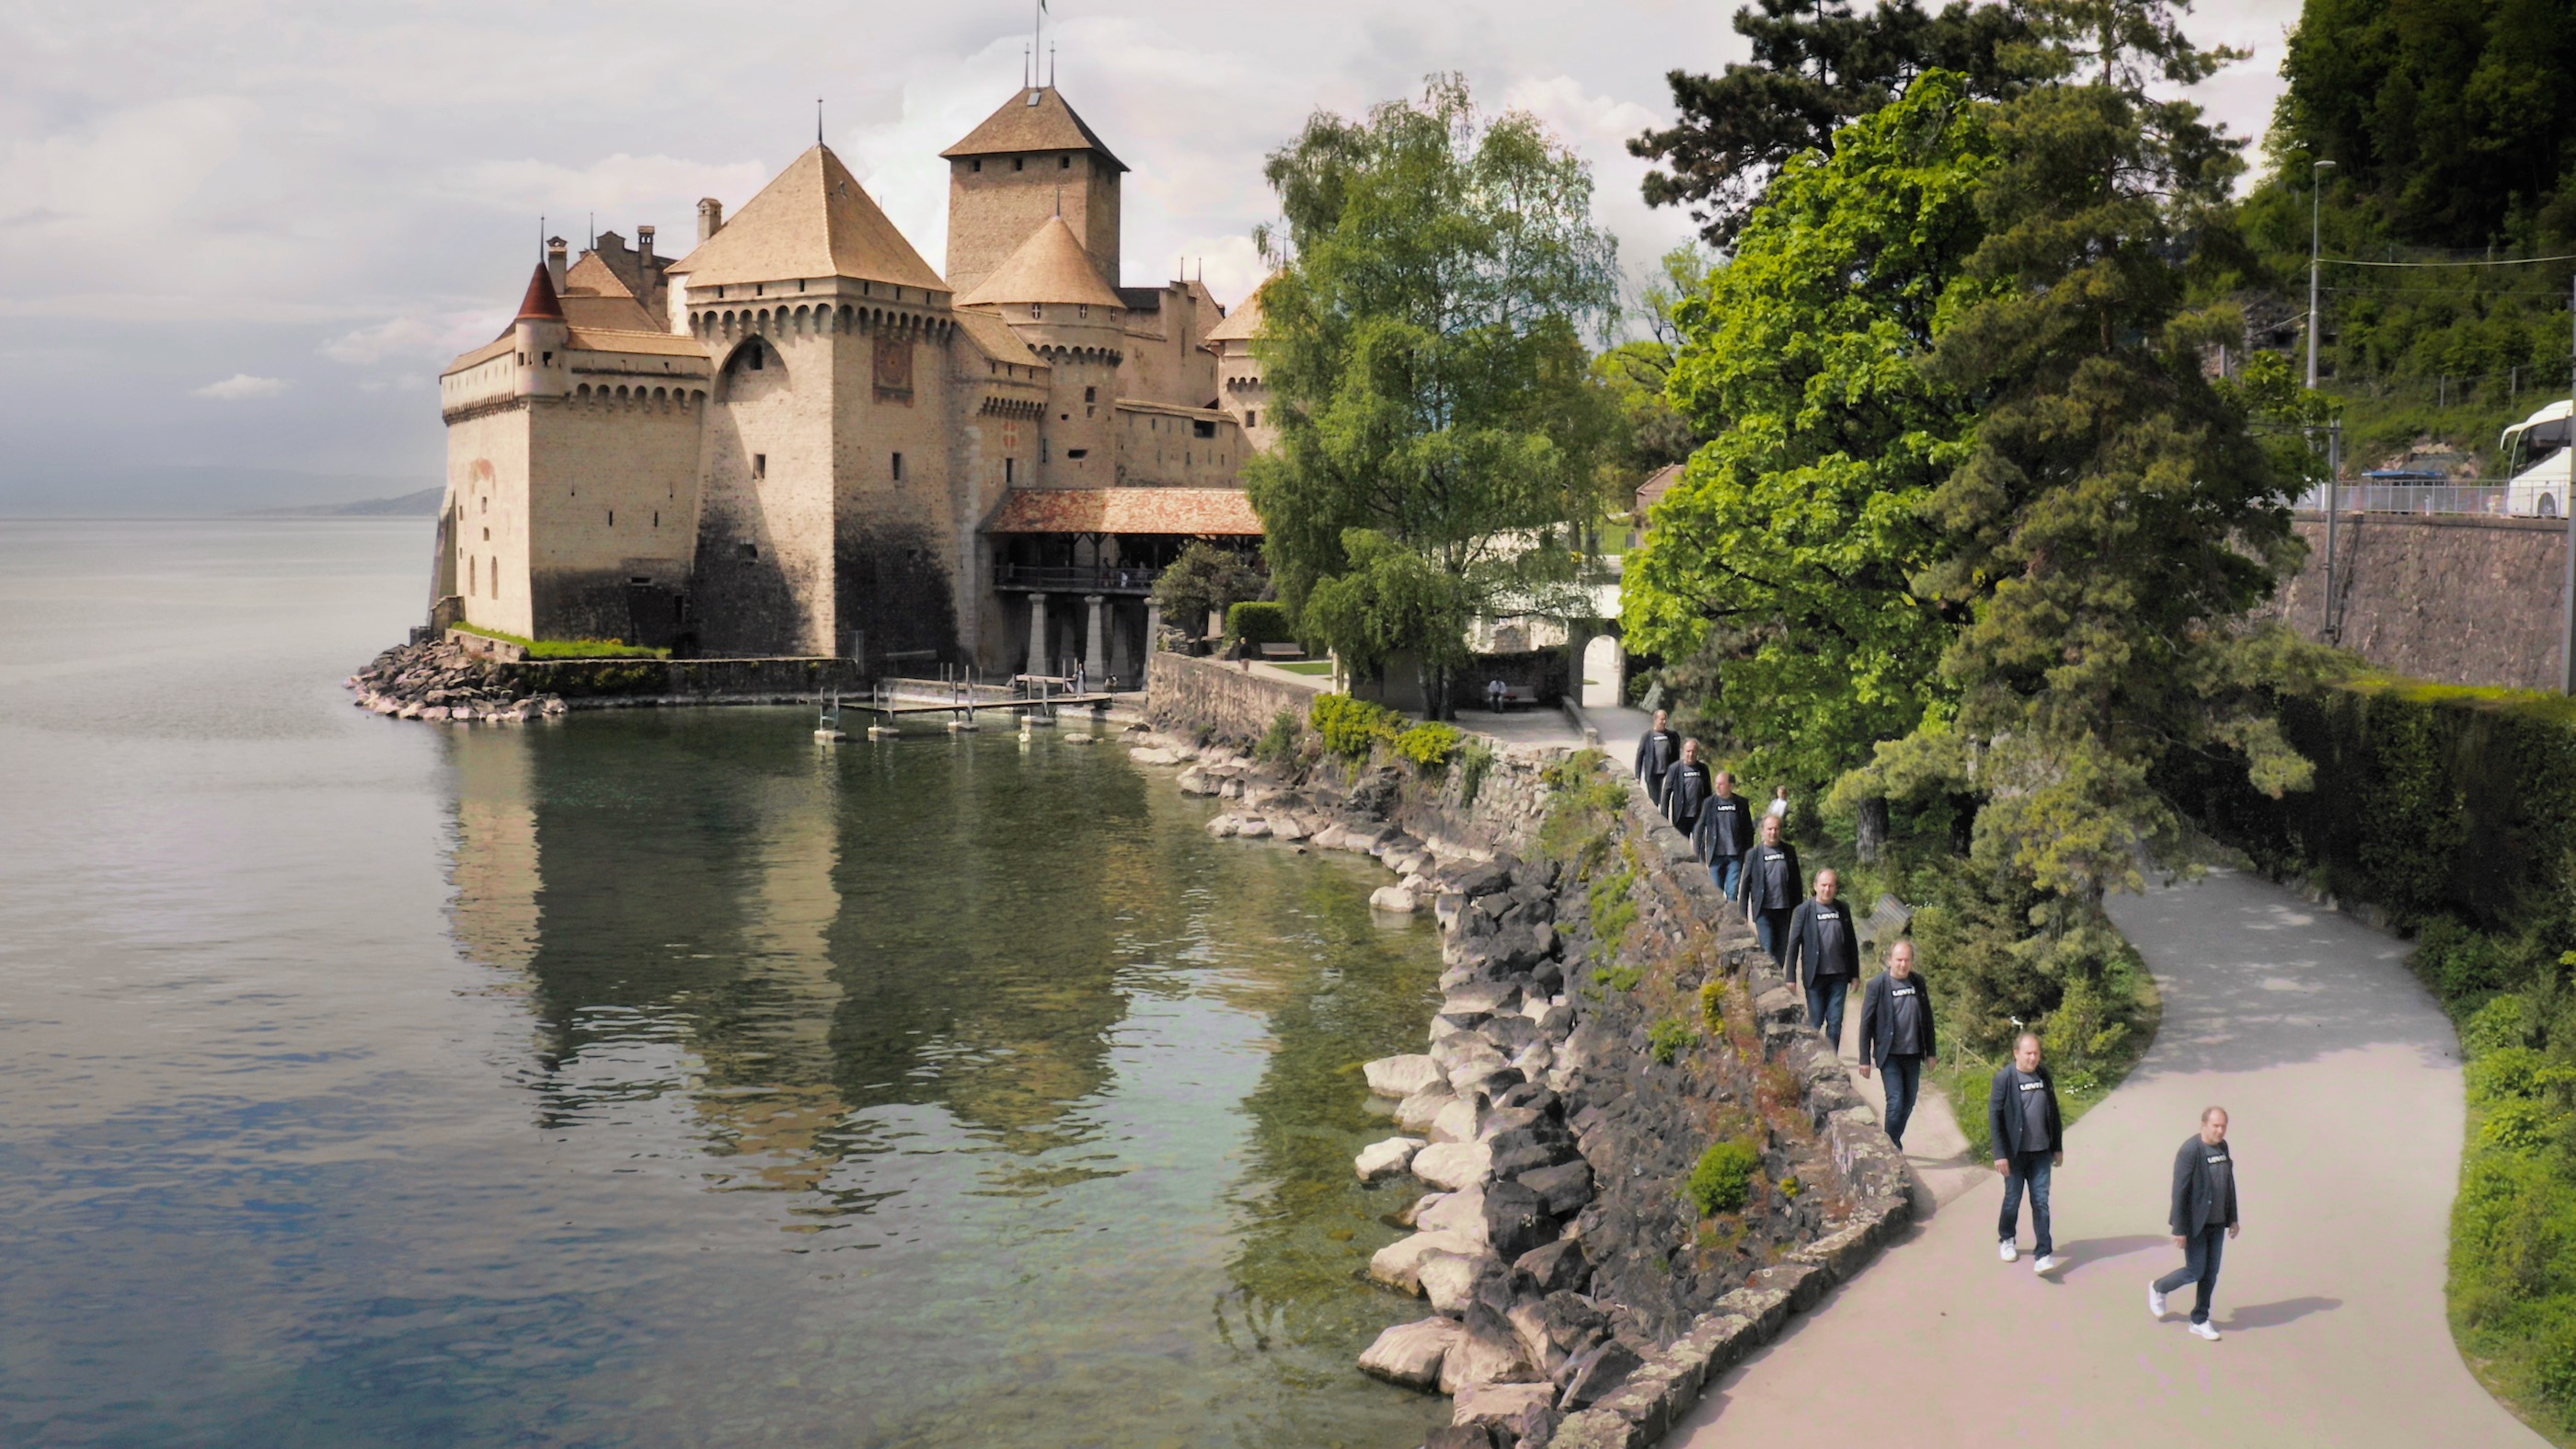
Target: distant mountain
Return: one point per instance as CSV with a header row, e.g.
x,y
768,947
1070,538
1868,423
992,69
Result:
x,y
207,492
423,504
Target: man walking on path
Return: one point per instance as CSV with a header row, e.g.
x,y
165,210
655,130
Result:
x,y
1686,789
2030,1140
1824,951
1725,832
1896,1033
2203,1217
1657,749
1770,888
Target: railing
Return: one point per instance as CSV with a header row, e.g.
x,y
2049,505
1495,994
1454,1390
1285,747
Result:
x,y
1075,578
2492,499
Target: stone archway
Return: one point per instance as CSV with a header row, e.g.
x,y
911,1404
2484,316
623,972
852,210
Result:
x,y
1604,680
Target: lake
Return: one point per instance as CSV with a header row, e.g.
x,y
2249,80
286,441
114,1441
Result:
x,y
643,1077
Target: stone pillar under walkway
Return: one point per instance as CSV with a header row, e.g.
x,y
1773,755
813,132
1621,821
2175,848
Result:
x,y
1038,635
1095,640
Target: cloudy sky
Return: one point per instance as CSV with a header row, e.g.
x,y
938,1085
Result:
x,y
239,238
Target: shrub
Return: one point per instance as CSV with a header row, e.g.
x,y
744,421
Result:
x,y
1723,1180
1259,623
1666,1038
2504,1022
1351,728
1279,742
1614,908
1475,760
1429,745
1712,1006
1623,978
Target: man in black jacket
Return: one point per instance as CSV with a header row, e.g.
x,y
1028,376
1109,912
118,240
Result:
x,y
1686,789
1824,954
2030,1141
1770,888
1896,1033
2203,1217
1657,749
1725,832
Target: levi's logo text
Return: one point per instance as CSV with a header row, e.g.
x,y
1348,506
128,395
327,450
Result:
x,y
2034,1086
1905,991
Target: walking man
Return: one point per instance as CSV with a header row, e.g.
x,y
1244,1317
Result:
x,y
1657,748
1769,889
1686,789
1825,951
2021,1112
1896,1033
1725,832
2203,1218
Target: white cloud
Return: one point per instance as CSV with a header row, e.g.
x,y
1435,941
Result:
x,y
241,387
416,338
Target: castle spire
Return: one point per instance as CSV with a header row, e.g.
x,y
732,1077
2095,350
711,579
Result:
x,y
541,304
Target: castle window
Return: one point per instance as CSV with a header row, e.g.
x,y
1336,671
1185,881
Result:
x,y
487,502
487,535
1018,163
637,579
1091,394
549,360
1202,427
1064,163
800,284
1036,310
898,467
1010,469
1252,419
760,465
756,359
1082,311
978,164
612,518
496,578
657,518
1046,450
1077,452
751,551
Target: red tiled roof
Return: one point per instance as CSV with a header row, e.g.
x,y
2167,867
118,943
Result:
x,y
540,303
1195,512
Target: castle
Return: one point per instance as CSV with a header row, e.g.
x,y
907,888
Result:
x,y
799,439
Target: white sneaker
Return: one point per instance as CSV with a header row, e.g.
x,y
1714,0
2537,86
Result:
x,y
2048,1263
2205,1329
2155,1303
2008,1251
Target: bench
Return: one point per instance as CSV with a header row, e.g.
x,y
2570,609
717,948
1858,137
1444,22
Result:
x,y
1516,694
1283,651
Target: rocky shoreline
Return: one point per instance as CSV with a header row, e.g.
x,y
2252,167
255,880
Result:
x,y
440,681
1569,1309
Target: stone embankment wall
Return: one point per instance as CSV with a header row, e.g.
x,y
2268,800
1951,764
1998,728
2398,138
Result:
x,y
2458,600
444,681
1578,1298
1185,695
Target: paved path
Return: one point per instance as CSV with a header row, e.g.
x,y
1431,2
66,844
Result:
x,y
2344,1083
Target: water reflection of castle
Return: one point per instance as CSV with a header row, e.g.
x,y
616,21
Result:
x,y
819,934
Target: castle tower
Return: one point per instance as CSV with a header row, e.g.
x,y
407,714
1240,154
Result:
x,y
1058,304
1031,160
1242,387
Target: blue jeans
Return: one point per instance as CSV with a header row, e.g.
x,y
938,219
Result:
x,y
1771,928
1726,870
1825,1007
1903,1078
2200,1254
2032,1168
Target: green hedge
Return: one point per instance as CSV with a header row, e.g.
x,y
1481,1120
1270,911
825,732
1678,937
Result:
x,y
1259,623
1351,728
2455,811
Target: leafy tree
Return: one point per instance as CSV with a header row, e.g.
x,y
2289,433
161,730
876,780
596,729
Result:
x,y
1206,579
2113,519
1653,433
1817,66
1784,558
1424,338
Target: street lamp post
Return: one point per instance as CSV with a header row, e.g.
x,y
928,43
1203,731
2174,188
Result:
x,y
2334,465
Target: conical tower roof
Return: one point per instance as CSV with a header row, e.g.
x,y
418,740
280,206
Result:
x,y
1037,119
541,304
1051,266
814,220
1240,325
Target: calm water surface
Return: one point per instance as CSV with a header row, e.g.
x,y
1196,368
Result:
x,y
649,1078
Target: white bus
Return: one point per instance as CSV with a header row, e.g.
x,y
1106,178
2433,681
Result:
x,y
2534,454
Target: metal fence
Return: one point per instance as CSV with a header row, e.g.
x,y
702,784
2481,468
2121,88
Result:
x,y
2473,497
1078,578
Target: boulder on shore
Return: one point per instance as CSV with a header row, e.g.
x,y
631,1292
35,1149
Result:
x,y
1401,1077
1394,898
1453,1165
1410,1353
1381,1160
1399,1264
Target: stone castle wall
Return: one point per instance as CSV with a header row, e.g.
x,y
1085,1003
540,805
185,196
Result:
x,y
2458,600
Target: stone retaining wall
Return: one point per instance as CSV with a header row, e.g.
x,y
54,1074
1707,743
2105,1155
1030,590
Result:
x,y
1185,695
2458,600
1578,1299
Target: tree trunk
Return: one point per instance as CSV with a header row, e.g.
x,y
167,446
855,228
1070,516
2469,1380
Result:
x,y
1963,822
1872,844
